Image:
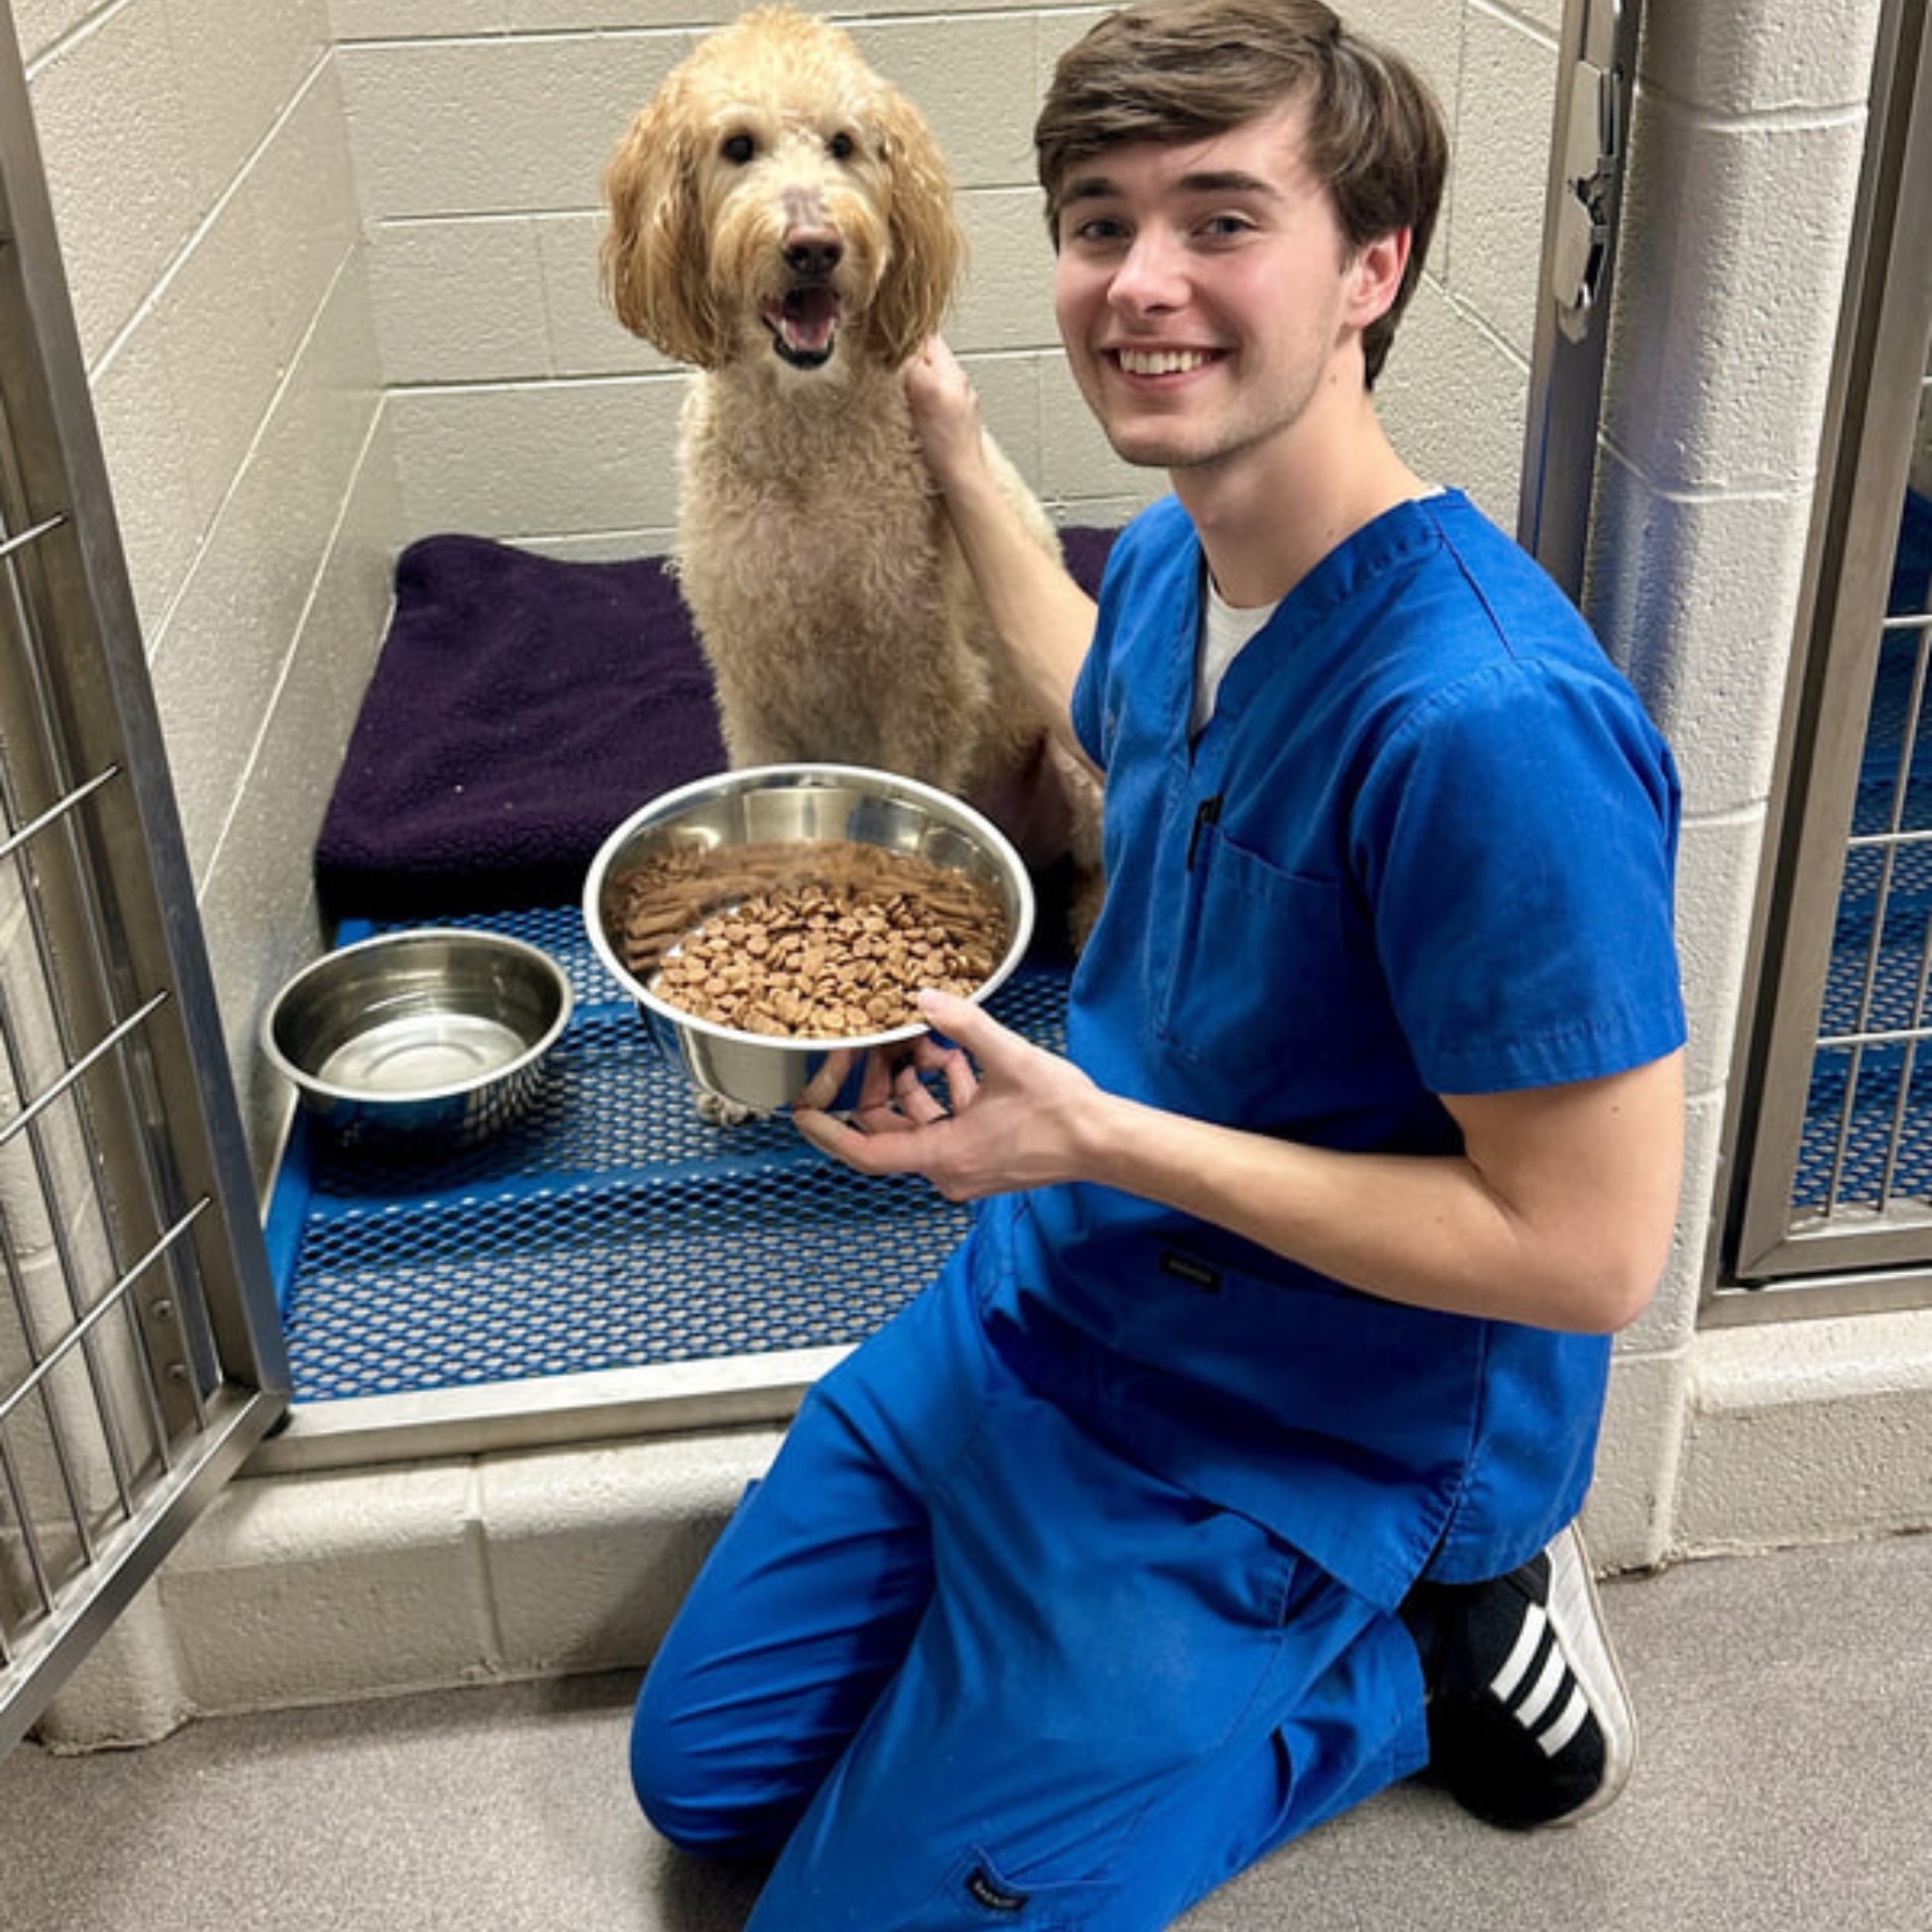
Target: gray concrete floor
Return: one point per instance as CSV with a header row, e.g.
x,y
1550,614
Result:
x,y
1787,1711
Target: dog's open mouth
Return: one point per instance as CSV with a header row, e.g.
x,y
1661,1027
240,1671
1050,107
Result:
x,y
804,325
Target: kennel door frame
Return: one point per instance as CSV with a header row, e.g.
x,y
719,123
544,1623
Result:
x,y
140,1351
1776,1260
1589,147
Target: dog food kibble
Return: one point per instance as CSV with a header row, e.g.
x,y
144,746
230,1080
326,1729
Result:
x,y
822,940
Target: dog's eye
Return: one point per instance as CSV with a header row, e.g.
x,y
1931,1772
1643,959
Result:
x,y
841,147
737,148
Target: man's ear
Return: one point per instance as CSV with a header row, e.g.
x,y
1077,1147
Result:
x,y
1378,269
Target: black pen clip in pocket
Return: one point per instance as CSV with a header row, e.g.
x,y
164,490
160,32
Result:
x,y
1206,813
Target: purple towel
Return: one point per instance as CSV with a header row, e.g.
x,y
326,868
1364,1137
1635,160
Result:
x,y
520,709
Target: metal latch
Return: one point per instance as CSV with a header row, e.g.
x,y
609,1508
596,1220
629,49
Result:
x,y
1592,147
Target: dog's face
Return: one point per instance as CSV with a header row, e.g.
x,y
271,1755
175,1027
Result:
x,y
776,199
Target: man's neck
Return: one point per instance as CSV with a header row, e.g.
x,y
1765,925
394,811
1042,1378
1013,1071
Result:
x,y
1265,521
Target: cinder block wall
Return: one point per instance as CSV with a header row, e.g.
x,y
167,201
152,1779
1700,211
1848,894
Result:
x,y
518,406
198,161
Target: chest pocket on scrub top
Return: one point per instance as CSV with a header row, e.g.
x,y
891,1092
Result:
x,y
1256,978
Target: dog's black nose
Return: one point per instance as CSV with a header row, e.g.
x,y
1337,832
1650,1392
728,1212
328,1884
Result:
x,y
814,257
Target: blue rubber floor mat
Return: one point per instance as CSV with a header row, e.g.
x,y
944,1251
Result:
x,y
612,1228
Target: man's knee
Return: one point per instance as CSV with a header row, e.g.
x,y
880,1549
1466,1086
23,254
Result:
x,y
694,1792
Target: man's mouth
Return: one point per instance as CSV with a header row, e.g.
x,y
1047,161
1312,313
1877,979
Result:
x,y
804,325
1162,362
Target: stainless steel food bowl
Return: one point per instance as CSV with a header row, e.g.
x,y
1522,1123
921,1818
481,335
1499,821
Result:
x,y
435,1039
774,803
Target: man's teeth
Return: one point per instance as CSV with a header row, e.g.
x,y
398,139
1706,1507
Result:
x,y
1160,361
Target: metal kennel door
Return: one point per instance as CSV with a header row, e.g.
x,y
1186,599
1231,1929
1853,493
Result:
x,y
141,1357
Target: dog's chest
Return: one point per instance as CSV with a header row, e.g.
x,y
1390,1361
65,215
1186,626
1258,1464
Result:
x,y
830,521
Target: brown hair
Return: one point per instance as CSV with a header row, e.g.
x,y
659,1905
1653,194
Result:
x,y
1168,71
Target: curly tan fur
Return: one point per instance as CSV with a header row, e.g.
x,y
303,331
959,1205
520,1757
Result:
x,y
782,219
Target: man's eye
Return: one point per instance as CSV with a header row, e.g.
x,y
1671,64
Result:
x,y
737,148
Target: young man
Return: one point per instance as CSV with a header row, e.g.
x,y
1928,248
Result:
x,y
1118,1559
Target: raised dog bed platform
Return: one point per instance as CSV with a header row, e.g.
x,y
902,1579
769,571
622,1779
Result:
x,y
612,1260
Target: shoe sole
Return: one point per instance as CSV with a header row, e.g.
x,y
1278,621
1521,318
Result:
x,y
1576,1621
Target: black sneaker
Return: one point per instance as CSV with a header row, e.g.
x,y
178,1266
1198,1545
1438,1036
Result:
x,y
1529,1720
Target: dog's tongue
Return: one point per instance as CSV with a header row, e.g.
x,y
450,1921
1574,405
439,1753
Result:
x,y
807,319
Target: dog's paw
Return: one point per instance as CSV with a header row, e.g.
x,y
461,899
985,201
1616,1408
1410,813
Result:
x,y
715,1111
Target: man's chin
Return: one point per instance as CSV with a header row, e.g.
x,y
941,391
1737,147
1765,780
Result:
x,y
1149,446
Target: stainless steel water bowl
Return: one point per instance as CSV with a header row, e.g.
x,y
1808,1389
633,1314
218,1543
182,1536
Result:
x,y
434,1037
770,804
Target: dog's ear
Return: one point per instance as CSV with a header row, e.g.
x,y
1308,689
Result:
x,y
928,243
654,257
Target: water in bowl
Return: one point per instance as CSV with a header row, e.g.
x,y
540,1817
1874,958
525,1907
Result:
x,y
422,1052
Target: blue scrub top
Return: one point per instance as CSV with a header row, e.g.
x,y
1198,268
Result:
x,y
1425,845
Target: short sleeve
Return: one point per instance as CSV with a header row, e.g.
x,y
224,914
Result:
x,y
1516,840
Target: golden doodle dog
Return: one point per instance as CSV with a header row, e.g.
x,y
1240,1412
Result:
x,y
780,219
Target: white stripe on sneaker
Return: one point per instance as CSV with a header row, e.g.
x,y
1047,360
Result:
x,y
1528,1641
1544,1692
1567,1725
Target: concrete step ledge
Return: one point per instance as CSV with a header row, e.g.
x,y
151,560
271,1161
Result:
x,y
1806,1432
328,1589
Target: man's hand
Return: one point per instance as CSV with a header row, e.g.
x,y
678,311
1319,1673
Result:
x,y
972,1106
946,416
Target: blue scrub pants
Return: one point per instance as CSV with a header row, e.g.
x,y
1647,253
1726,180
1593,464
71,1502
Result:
x,y
958,1664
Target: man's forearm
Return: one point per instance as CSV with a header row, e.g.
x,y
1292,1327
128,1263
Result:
x,y
1503,1236
1044,619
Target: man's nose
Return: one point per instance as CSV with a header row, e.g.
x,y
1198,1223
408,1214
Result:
x,y
1151,275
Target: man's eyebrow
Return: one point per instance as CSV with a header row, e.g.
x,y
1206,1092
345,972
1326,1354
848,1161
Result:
x,y
1220,180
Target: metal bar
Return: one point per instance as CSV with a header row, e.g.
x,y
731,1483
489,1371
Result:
x,y
598,1405
91,1058
8,546
55,813
50,1196
236,1422
24,1517
1875,946
36,1353
98,1313
1902,1097
1878,1036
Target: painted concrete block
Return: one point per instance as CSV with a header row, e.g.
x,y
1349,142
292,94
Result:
x,y
225,646
329,1588
1501,166
307,218
569,458
1717,872
960,73
114,139
223,350
1815,56
556,109
585,338
1669,1323
1006,300
460,301
590,1551
240,64
1695,597
1807,1432
1627,1517
143,417
1452,396
1735,363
